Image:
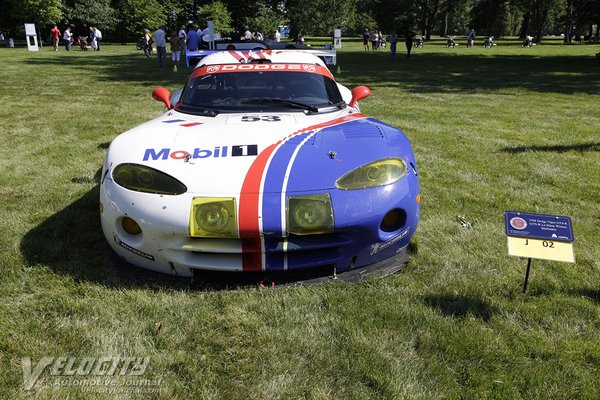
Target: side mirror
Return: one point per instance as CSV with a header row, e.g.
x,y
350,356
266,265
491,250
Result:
x,y
359,93
162,94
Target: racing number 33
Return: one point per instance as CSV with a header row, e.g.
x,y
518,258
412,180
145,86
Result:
x,y
268,118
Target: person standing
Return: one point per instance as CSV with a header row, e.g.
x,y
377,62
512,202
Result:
x,y
98,35
202,32
277,36
247,34
393,42
182,35
192,39
67,37
175,49
55,35
410,37
366,37
161,46
471,38
374,40
93,40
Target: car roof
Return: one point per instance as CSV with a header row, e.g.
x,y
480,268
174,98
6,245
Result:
x,y
274,56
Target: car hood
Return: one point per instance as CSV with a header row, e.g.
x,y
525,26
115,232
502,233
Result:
x,y
284,151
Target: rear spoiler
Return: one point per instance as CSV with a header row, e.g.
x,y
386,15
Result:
x,y
327,55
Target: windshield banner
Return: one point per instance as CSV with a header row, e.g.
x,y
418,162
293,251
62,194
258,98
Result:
x,y
214,69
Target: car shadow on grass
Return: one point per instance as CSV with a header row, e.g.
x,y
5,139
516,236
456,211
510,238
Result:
x,y
459,306
71,243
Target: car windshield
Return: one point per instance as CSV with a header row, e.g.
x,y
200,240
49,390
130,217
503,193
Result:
x,y
258,91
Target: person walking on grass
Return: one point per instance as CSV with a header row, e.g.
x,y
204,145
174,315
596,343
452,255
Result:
x,y
55,35
410,37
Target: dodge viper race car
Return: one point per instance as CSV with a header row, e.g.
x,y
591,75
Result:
x,y
262,162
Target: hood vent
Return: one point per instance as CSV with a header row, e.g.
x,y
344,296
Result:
x,y
363,131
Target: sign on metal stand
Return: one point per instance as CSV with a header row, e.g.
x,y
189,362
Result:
x,y
545,237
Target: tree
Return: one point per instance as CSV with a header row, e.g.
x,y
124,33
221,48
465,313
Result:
x,y
320,17
490,17
265,20
218,13
455,16
390,15
539,11
14,13
43,12
133,16
85,13
243,11
428,11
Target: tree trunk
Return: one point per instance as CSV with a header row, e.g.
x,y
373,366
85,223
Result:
x,y
568,22
525,26
445,33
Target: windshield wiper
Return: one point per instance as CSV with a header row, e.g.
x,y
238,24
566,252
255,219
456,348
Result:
x,y
340,104
198,110
290,103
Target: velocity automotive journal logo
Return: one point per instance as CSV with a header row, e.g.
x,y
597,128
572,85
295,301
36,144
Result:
x,y
103,374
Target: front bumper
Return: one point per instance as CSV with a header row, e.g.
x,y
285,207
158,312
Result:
x,y
166,246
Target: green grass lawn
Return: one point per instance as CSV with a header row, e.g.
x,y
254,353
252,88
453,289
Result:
x,y
495,129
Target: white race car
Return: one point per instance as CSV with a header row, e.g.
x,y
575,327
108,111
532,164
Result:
x,y
262,162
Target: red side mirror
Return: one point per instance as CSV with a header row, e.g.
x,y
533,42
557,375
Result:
x,y
359,93
162,94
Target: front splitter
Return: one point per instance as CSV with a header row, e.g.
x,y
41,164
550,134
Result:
x,y
225,280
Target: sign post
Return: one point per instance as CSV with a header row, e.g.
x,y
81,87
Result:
x,y
337,38
545,237
31,36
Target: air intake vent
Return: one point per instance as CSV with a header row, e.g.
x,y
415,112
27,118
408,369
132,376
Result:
x,y
363,131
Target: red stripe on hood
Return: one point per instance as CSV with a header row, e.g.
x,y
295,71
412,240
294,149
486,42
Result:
x,y
249,211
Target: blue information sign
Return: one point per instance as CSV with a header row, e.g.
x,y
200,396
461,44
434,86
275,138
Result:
x,y
538,226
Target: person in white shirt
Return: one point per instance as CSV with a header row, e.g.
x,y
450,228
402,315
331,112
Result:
x,y
160,41
201,34
67,35
247,34
98,35
277,36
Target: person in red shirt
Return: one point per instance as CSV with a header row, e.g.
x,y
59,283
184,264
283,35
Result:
x,y
55,35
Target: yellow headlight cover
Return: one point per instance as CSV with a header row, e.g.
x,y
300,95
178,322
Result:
x,y
377,173
213,217
311,214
